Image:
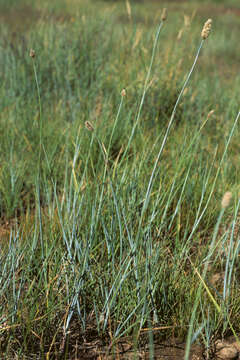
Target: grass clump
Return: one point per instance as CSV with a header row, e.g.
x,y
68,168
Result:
x,y
110,199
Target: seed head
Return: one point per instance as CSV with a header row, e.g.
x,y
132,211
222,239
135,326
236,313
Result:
x,y
89,126
123,92
210,113
32,53
164,14
187,20
206,29
226,199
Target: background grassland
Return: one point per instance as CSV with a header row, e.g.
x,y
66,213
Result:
x,y
86,251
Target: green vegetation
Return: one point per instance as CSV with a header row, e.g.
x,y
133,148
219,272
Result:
x,y
108,232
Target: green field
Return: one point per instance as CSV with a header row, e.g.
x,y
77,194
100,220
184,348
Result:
x,y
118,233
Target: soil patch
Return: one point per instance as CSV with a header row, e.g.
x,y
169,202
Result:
x,y
22,18
171,350
19,18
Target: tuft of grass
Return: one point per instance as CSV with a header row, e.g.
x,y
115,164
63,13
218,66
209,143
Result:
x,y
113,196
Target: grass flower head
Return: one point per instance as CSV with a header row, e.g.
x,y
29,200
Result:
x,y
206,29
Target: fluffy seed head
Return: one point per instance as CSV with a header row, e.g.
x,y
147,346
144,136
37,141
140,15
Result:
x,y
89,126
164,14
226,199
32,53
123,92
206,29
